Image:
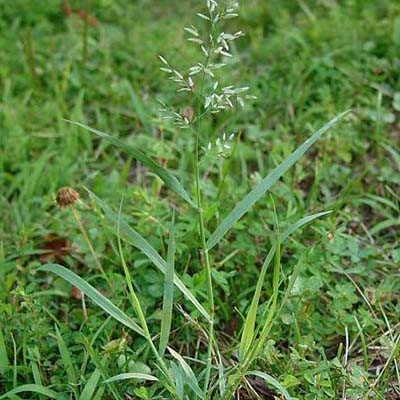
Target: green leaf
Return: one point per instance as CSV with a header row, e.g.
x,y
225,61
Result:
x,y
91,385
32,388
250,322
170,180
4,362
392,222
101,366
395,154
179,378
271,381
36,373
132,375
259,191
69,366
191,379
168,298
94,294
249,325
135,239
301,222
100,393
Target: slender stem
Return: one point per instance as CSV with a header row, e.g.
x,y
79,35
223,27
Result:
x,y
141,316
200,209
253,353
210,291
85,235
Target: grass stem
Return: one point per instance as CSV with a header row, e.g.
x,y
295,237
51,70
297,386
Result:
x,y
92,251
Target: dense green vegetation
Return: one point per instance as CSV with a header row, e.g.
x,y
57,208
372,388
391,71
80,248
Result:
x,y
335,330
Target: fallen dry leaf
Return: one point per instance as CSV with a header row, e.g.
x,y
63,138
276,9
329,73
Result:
x,y
57,248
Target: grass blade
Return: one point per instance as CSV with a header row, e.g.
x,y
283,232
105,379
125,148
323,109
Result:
x,y
191,377
301,222
168,298
129,233
100,394
138,241
101,366
91,385
170,180
137,305
36,374
258,345
250,322
271,381
134,375
4,362
395,154
94,294
259,191
69,366
31,388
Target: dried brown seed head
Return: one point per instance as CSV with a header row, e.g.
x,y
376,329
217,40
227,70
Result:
x,y
188,113
67,197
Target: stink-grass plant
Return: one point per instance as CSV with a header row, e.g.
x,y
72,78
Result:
x,y
172,374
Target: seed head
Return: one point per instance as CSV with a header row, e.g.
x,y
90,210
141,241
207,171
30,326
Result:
x,y
67,197
188,113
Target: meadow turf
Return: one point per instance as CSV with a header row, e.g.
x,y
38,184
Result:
x,y
337,330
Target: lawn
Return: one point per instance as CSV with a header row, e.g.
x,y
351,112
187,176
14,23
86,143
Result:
x,y
237,238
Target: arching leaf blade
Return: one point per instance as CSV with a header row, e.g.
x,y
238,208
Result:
x,y
259,191
170,180
135,239
94,295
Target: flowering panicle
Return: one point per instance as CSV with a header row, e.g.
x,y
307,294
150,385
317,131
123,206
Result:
x,y
226,98
182,120
184,84
201,77
220,147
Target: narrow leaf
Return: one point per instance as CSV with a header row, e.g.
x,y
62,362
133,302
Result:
x,y
292,280
301,222
179,379
4,362
168,297
191,378
395,154
31,388
100,393
170,180
100,365
271,381
69,366
91,386
36,374
249,325
122,377
135,239
94,294
259,191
